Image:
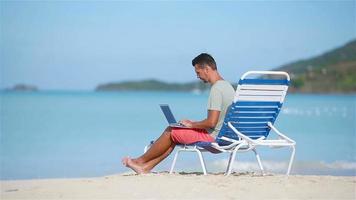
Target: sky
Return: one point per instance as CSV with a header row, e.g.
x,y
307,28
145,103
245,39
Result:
x,y
77,45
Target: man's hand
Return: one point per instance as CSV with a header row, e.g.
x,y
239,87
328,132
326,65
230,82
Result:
x,y
187,123
210,122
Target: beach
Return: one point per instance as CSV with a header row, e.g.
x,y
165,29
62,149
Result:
x,y
184,186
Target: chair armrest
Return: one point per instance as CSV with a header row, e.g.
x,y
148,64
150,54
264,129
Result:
x,y
228,139
242,136
233,143
281,135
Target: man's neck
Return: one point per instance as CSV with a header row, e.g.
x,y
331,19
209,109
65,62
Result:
x,y
215,77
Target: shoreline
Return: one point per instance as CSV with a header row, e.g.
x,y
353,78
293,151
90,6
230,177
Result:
x,y
183,186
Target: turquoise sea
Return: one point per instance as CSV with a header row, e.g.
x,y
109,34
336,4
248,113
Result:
x,y
85,134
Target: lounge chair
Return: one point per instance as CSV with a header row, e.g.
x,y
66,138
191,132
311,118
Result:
x,y
249,120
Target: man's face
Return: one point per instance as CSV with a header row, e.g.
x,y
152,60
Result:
x,y
202,73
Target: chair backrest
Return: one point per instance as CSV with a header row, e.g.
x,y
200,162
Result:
x,y
257,101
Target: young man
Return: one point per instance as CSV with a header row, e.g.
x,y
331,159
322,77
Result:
x,y
220,98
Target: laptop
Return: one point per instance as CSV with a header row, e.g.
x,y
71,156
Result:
x,y
169,116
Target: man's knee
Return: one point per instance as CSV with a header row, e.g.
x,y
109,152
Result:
x,y
168,131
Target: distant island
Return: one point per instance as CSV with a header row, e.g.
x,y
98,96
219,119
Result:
x,y
152,85
331,72
22,88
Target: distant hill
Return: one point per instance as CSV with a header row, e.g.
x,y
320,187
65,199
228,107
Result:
x,y
22,88
333,71
152,85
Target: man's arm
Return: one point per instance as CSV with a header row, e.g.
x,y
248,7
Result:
x,y
209,122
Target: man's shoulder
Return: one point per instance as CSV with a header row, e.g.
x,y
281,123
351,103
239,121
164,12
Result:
x,y
222,85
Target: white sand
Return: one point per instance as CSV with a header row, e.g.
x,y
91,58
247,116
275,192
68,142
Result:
x,y
184,186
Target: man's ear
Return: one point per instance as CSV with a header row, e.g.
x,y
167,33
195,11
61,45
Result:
x,y
208,68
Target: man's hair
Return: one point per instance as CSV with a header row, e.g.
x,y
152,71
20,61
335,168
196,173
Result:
x,y
204,59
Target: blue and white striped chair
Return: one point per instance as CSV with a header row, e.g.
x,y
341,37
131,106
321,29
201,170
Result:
x,y
249,120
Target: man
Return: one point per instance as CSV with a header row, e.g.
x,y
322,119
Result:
x,y
220,98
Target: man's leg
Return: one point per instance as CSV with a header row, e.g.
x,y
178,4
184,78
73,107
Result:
x,y
158,148
181,136
152,163
148,166
158,151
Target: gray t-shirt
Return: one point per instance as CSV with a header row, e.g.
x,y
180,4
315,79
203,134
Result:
x,y
220,98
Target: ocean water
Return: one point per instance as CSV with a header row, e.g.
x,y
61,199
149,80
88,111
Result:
x,y
85,134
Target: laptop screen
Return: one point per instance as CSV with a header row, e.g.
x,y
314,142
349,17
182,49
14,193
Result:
x,y
168,113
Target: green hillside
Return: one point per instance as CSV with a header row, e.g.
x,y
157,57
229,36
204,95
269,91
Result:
x,y
333,71
152,85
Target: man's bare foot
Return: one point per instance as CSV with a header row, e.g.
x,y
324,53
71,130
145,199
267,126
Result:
x,y
131,163
124,161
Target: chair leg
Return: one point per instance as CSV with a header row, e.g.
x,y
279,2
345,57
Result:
x,y
148,146
174,162
231,161
291,160
202,161
228,164
259,161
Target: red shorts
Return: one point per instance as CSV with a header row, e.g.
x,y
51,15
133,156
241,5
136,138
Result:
x,y
189,136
